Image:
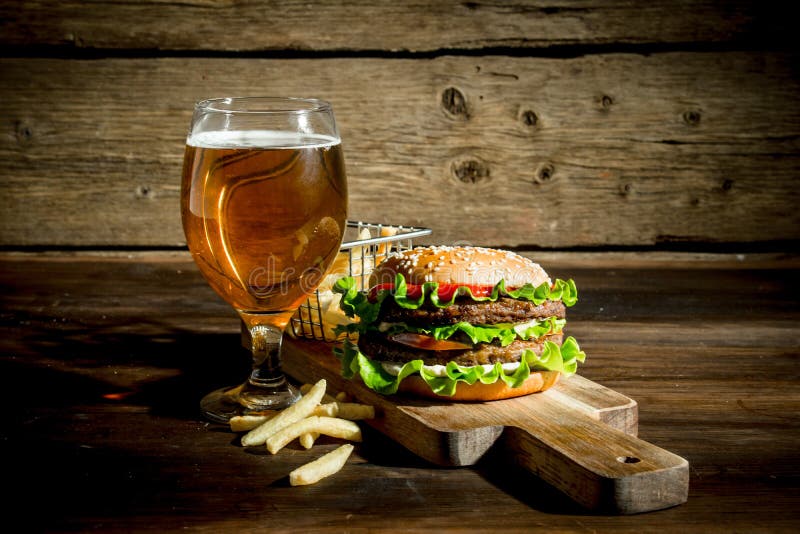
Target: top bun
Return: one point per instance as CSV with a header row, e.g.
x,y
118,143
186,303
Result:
x,y
459,265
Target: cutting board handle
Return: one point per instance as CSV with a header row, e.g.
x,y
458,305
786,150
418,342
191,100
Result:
x,y
596,465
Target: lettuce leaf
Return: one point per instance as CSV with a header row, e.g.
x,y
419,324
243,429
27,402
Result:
x,y
355,303
554,358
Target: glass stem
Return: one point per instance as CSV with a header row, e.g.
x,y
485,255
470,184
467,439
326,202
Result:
x,y
267,387
266,348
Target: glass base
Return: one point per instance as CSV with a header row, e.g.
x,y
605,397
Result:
x,y
222,404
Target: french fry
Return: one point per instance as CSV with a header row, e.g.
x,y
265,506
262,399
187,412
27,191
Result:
x,y
339,268
330,426
332,317
360,261
342,396
243,423
384,248
322,467
307,440
305,388
296,412
329,409
324,304
357,262
353,411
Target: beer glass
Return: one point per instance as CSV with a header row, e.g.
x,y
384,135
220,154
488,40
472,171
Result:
x,y
263,204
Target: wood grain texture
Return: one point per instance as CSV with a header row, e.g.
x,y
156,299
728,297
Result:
x,y
119,348
384,25
598,466
614,149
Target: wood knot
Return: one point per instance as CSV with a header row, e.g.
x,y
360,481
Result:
x,y
470,171
606,102
528,118
691,117
727,184
545,174
626,189
23,132
144,191
454,103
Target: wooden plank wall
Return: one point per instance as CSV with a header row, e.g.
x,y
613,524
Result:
x,y
591,125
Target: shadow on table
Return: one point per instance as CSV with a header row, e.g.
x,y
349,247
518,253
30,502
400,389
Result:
x,y
504,474
140,362
496,469
79,438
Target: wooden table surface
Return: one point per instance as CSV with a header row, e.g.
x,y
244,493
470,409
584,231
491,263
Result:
x,y
104,358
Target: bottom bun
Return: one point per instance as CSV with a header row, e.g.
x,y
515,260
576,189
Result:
x,y
538,381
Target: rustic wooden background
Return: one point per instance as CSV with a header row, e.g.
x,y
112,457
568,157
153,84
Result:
x,y
586,125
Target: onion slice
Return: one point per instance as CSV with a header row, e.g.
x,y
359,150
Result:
x,y
421,341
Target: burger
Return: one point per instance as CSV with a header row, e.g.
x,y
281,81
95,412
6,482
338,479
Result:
x,y
458,323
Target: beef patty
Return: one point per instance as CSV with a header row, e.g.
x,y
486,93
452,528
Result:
x,y
503,310
379,348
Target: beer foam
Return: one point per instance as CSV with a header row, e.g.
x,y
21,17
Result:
x,y
260,139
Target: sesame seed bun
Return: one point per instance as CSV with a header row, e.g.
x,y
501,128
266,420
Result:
x,y
479,392
459,265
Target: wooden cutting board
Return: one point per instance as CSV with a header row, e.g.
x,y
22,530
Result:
x,y
579,436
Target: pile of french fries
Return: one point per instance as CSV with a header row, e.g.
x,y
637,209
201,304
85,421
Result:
x,y
358,262
316,413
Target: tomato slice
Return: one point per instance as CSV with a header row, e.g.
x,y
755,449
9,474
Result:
x,y
421,341
446,291
374,290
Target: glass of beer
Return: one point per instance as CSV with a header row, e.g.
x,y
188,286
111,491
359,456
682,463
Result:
x,y
263,203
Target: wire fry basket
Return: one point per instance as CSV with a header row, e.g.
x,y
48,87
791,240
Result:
x,y
365,246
